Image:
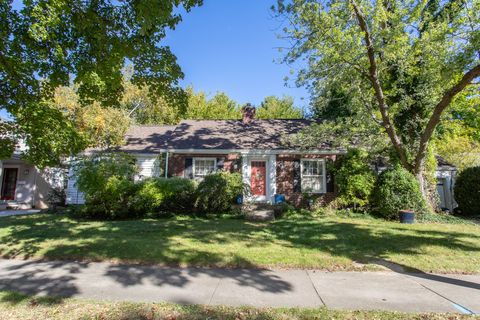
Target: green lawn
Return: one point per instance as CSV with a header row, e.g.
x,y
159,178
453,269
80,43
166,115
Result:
x,y
15,306
332,243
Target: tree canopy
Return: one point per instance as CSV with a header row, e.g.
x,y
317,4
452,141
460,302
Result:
x,y
401,62
45,44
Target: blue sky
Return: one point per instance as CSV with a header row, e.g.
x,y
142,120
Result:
x,y
230,46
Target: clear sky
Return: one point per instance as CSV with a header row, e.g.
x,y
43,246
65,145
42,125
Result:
x,y
231,46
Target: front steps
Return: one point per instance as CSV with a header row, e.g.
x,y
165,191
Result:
x,y
258,211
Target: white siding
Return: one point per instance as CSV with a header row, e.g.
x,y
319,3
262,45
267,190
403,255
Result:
x,y
148,166
73,195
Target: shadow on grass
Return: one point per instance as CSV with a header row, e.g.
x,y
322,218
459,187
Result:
x,y
160,242
14,298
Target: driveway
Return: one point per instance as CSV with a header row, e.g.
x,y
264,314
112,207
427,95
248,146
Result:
x,y
261,288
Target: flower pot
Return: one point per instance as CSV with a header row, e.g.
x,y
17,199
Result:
x,y
407,216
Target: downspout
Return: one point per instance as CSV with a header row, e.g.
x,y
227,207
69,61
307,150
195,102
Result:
x,y
166,164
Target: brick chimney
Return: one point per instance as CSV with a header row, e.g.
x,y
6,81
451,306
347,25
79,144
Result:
x,y
248,112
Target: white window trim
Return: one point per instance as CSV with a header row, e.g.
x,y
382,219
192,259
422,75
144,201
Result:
x,y
324,176
203,158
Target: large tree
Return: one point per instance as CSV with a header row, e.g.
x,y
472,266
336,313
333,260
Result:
x,y
406,61
46,43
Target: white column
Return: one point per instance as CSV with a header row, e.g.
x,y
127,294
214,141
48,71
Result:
x,y
272,177
246,172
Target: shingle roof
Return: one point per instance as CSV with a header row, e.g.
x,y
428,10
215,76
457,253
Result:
x,y
213,135
147,139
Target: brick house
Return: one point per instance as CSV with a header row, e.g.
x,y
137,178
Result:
x,y
258,149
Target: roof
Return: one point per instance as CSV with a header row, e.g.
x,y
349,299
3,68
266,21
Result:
x,y
147,139
214,135
441,162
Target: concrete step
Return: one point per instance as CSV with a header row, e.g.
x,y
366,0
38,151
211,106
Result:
x,y
260,215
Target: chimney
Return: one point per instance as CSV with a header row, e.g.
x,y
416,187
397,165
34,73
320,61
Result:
x,y
248,112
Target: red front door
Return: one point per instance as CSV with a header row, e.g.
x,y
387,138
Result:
x,y
9,183
258,178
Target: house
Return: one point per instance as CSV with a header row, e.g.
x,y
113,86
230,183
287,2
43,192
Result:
x,y
24,186
259,149
445,174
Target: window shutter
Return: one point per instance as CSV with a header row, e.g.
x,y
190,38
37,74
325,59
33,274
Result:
x,y
220,162
330,181
297,176
330,177
188,171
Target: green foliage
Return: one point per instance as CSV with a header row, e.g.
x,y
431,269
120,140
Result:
x,y
278,108
397,189
220,106
48,133
107,182
217,192
467,191
365,53
354,178
458,135
145,109
8,140
49,43
162,196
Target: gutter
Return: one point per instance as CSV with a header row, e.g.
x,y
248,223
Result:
x,y
227,151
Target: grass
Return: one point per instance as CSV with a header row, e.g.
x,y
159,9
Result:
x,y
17,306
331,243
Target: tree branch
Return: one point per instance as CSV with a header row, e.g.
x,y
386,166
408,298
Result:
x,y
437,112
373,76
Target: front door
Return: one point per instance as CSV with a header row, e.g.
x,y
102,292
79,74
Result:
x,y
9,183
258,178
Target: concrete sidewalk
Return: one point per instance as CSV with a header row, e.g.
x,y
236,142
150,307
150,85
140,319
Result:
x,y
287,288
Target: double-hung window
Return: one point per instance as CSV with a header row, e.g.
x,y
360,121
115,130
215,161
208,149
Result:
x,y
203,167
313,175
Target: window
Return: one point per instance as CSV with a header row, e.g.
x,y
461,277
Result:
x,y
203,166
313,176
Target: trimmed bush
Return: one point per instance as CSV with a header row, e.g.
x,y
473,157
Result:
x,y
354,178
107,182
218,191
467,191
162,196
397,189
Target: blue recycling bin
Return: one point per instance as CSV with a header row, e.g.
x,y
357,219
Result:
x,y
279,198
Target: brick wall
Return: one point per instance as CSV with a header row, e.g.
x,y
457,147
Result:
x,y
285,177
176,162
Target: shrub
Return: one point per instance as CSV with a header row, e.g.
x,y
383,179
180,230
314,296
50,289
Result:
x,y
218,191
467,191
397,189
107,182
354,178
161,196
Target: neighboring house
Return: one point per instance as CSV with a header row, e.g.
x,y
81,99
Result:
x,y
256,148
24,186
446,174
